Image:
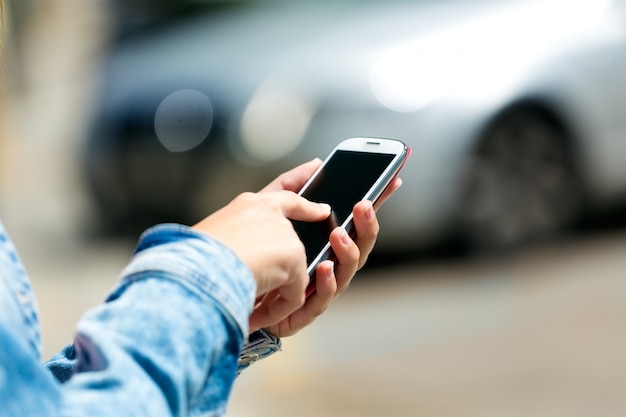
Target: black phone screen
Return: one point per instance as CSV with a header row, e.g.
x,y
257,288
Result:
x,y
343,182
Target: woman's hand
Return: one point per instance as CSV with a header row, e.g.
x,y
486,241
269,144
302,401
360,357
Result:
x,y
332,278
256,227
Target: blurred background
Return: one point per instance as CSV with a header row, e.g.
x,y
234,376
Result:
x,y
498,287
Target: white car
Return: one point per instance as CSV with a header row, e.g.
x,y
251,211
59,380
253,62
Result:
x,y
515,110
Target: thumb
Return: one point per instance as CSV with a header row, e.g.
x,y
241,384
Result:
x,y
299,208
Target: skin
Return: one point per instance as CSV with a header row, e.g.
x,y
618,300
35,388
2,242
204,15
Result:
x,y
279,263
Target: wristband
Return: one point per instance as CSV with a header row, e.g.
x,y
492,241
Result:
x,y
260,345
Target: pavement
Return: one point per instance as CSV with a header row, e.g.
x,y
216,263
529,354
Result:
x,y
539,333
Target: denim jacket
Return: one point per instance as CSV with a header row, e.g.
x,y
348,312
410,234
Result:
x,y
164,343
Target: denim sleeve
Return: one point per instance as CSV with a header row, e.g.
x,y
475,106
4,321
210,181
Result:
x,y
167,339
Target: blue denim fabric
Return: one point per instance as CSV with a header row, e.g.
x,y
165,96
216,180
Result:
x,y
18,307
165,342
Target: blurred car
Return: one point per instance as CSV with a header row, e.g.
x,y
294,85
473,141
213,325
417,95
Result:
x,y
515,110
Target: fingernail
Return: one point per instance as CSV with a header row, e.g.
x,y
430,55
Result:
x,y
325,206
369,213
345,238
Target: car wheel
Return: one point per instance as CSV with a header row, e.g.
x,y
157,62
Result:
x,y
521,183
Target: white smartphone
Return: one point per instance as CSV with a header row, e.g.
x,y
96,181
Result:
x,y
357,169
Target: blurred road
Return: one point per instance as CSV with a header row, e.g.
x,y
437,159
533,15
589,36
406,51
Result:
x,y
538,333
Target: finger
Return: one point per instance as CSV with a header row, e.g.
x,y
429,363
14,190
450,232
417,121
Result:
x,y
325,291
366,229
299,208
315,305
325,287
347,257
259,316
294,179
391,188
275,308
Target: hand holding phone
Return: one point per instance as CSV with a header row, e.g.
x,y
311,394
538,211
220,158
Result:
x,y
357,169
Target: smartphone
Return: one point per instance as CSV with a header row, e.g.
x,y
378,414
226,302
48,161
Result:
x,y
357,169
